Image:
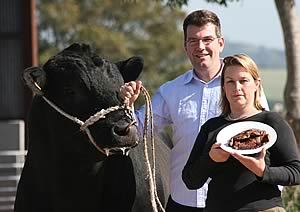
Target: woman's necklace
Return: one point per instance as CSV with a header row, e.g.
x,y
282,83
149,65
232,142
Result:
x,y
242,116
234,119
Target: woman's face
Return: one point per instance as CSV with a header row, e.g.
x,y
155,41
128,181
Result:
x,y
239,87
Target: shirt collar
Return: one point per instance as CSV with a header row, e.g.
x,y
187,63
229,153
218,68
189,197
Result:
x,y
190,75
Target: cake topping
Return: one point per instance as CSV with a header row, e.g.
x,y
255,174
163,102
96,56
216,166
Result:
x,y
249,139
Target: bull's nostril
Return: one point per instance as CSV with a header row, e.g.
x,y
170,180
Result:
x,y
121,131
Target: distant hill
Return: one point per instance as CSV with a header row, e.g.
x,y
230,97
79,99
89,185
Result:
x,y
265,58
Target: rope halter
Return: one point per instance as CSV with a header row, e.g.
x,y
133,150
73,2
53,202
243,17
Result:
x,y
155,202
93,119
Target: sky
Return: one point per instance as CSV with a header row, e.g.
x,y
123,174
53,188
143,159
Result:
x,y
248,21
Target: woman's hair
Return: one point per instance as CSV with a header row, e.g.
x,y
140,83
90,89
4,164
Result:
x,y
246,62
200,18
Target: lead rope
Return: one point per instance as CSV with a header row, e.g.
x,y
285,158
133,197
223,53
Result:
x,y
101,114
151,172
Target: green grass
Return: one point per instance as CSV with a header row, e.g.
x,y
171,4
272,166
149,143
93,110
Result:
x,y
273,83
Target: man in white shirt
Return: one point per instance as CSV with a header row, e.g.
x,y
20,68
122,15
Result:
x,y
187,102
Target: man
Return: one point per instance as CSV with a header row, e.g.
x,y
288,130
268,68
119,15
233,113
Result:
x,y
188,101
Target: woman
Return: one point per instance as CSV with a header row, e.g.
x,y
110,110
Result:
x,y
242,182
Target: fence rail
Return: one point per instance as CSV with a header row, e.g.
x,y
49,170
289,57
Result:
x,y
11,164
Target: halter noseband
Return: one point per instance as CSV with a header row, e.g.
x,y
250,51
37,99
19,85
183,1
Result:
x,y
93,119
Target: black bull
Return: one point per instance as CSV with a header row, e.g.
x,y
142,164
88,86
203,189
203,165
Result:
x,y
64,171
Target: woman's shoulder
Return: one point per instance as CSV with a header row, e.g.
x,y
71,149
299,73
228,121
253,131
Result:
x,y
273,119
272,116
215,119
215,122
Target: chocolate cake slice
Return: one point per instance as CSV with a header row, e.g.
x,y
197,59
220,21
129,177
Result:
x,y
249,139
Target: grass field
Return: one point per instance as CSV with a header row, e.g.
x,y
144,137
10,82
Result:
x,y
273,84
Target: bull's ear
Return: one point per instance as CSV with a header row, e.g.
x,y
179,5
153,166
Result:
x,y
35,79
131,68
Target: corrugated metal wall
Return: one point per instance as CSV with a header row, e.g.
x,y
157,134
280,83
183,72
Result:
x,y
16,53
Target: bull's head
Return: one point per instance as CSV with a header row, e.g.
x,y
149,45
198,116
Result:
x,y
83,87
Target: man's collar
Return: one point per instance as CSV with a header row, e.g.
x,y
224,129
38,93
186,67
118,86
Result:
x,y
188,77
191,74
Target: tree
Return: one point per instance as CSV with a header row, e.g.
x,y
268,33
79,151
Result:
x,y
290,26
117,29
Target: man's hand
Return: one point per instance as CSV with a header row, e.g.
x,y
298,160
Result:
x,y
130,91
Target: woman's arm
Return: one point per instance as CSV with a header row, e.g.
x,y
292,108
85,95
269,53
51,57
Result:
x,y
199,165
280,165
284,168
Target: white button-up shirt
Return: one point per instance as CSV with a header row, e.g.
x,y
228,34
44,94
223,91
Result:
x,y
185,103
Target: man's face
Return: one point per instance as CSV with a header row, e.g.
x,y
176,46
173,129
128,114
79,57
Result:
x,y
203,47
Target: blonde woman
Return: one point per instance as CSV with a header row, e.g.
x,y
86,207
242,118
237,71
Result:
x,y
242,182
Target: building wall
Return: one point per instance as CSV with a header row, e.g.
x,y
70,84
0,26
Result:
x,y
18,50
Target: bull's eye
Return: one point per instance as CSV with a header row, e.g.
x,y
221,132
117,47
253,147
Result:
x,y
98,61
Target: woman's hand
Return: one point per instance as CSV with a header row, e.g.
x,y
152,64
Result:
x,y
130,91
255,164
217,154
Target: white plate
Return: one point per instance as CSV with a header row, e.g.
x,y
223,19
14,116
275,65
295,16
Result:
x,y
228,132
